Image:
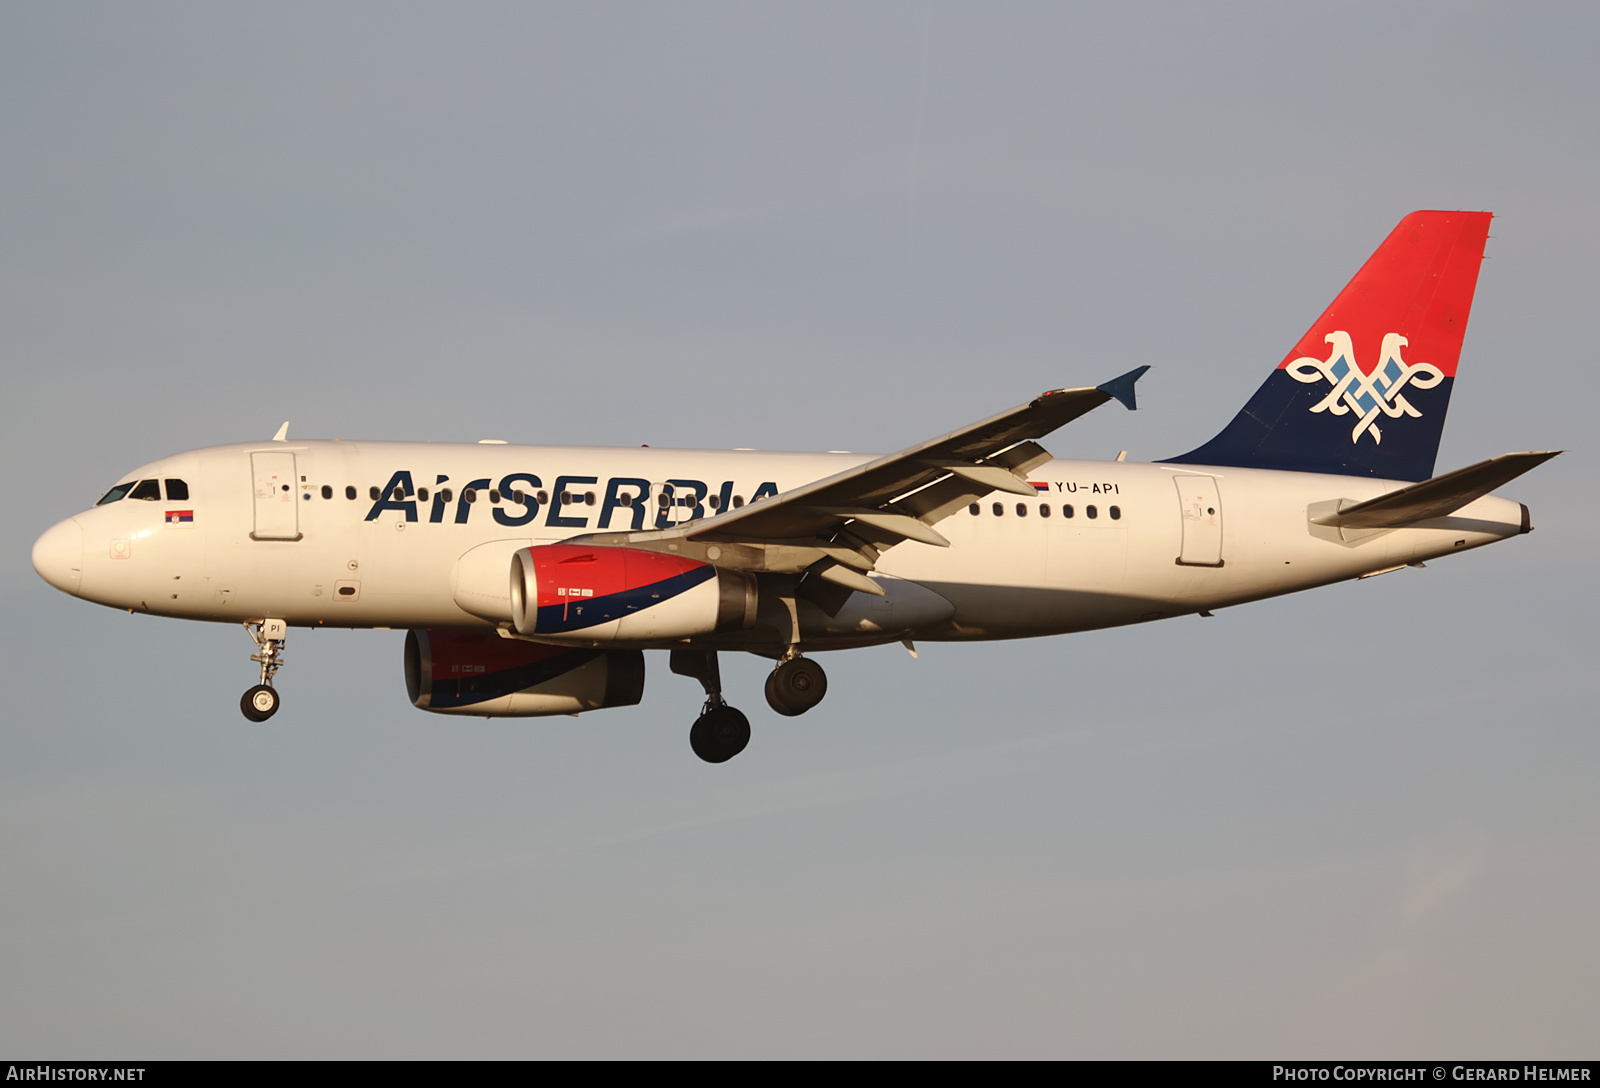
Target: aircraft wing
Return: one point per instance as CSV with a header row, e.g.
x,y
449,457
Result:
x,y
838,526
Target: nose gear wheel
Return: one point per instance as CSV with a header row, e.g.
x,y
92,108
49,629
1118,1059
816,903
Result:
x,y
261,702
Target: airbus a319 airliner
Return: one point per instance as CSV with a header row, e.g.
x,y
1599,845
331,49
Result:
x,y
531,579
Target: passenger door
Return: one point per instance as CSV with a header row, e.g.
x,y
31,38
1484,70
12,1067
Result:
x,y
277,516
1201,508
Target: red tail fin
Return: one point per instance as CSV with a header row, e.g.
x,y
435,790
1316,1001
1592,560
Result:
x,y
1365,390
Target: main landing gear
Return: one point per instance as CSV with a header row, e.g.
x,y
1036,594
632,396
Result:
x,y
721,732
261,701
796,685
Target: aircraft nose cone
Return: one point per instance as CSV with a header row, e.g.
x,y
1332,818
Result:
x,y
58,556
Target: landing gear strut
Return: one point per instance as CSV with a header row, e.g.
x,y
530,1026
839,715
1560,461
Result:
x,y
796,685
720,732
261,701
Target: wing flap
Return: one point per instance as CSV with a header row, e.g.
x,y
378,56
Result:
x,y
901,525
987,476
944,497
844,576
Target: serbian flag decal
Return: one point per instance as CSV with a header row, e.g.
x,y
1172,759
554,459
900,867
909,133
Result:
x,y
180,519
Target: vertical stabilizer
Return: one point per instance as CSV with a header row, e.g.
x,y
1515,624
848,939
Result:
x,y
1365,390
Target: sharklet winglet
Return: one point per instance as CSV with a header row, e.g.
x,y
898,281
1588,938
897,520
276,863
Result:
x,y
1121,387
283,433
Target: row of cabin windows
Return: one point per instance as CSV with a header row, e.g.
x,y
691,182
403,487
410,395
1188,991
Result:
x,y
178,491
148,490
1067,511
568,498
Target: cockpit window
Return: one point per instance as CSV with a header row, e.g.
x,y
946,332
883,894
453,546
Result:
x,y
148,490
117,492
177,489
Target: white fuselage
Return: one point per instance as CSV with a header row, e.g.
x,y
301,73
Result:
x,y
1163,540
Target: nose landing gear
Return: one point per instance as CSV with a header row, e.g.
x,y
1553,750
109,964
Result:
x,y
261,702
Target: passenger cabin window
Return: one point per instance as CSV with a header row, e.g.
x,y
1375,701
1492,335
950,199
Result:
x,y
469,496
349,491
1022,509
1090,512
116,493
177,489
999,509
148,490
1066,511
1044,509
973,510
374,492
422,494
1116,513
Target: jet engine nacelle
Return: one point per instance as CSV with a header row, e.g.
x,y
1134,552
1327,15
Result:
x,y
471,672
587,595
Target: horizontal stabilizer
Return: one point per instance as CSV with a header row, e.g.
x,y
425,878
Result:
x,y
1437,497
